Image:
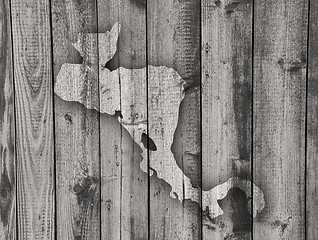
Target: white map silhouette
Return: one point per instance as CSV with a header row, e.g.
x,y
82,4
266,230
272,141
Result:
x,y
167,91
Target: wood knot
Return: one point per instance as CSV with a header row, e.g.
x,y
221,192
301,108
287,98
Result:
x,y
68,118
85,190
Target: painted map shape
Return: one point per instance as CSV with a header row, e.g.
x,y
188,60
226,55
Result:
x,y
125,90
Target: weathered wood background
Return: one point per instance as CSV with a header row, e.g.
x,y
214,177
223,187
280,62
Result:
x,y
247,110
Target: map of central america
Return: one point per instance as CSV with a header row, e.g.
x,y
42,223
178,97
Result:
x,y
167,90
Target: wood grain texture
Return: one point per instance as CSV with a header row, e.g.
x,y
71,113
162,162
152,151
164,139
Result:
x,y
174,37
34,118
124,184
226,109
76,128
174,119
7,132
280,36
312,125
152,142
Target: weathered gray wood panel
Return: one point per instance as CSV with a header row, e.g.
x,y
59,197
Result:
x,y
102,187
7,130
76,128
312,125
280,37
124,184
173,34
33,82
227,110
111,146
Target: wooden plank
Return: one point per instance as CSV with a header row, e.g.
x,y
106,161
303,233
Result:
x,y
7,130
171,217
34,118
226,111
280,49
312,125
76,128
124,185
174,118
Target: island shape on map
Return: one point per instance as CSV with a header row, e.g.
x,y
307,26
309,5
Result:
x,y
125,91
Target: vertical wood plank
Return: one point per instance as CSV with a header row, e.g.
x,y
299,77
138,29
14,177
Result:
x,y
34,118
312,124
7,130
280,36
226,115
76,128
124,184
174,118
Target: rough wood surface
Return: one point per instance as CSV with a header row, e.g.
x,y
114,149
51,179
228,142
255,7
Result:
x,y
76,128
7,129
226,114
174,119
125,186
312,125
174,130
280,37
34,118
167,89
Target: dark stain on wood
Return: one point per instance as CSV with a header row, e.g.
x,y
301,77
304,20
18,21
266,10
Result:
x,y
118,114
3,55
312,129
206,214
148,142
293,66
6,190
132,228
85,191
242,103
282,225
88,199
235,207
236,221
141,3
232,6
